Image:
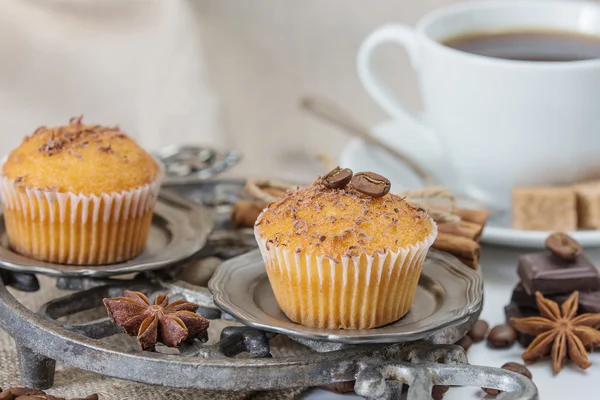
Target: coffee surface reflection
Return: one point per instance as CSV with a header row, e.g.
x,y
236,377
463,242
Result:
x,y
528,45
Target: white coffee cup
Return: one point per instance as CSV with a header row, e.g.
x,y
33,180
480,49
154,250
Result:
x,y
492,124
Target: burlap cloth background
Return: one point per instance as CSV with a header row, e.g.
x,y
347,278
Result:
x,y
72,382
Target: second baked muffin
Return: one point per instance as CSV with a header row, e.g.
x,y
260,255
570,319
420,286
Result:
x,y
340,258
79,194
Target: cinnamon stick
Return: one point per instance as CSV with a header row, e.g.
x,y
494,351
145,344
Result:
x,y
477,216
464,228
465,249
245,212
275,192
470,262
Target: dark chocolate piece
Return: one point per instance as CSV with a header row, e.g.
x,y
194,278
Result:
x,y
589,302
526,300
548,274
514,311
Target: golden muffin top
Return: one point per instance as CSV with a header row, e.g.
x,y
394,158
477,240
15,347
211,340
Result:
x,y
78,158
342,222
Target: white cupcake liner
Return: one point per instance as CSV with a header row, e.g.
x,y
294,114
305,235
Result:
x,y
70,228
351,292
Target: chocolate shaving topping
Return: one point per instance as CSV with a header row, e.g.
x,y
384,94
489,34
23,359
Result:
x,y
300,226
310,208
331,259
75,135
20,181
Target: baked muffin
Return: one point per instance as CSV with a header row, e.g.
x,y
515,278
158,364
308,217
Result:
x,y
344,258
79,194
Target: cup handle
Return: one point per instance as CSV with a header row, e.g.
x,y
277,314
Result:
x,y
406,37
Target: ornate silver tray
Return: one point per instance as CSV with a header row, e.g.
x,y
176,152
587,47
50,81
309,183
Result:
x,y
179,229
448,294
236,357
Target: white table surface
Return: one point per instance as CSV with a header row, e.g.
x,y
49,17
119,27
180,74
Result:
x,y
499,273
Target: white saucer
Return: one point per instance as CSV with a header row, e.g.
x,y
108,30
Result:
x,y
360,156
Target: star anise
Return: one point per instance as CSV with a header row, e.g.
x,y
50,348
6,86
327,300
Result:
x,y
558,330
170,324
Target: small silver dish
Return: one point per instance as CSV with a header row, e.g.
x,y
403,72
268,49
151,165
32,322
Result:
x,y
180,228
191,164
448,294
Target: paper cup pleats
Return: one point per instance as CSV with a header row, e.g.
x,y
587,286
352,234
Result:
x,y
348,292
77,229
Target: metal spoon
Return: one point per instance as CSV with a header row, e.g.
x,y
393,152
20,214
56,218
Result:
x,y
329,111
334,114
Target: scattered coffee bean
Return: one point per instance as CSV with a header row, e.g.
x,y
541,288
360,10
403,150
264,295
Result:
x,y
514,367
563,246
337,178
438,391
491,392
518,368
465,342
502,336
371,184
21,391
478,331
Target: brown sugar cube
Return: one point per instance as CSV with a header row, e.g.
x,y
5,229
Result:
x,y
588,204
544,209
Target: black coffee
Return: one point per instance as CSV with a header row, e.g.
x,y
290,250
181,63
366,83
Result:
x,y
529,45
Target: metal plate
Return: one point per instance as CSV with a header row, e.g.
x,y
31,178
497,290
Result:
x,y
448,294
189,165
179,229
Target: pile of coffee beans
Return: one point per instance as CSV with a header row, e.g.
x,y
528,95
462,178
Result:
x,y
499,337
